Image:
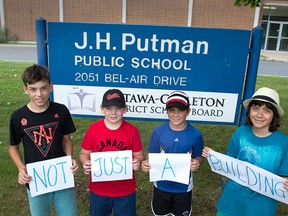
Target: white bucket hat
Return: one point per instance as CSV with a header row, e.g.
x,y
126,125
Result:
x,y
266,95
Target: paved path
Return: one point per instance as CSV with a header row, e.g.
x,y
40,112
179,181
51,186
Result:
x,y
18,53
272,66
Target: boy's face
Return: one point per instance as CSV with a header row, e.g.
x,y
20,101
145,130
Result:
x,y
39,94
113,114
177,118
261,117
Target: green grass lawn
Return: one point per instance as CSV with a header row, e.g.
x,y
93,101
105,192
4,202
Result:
x,y
207,185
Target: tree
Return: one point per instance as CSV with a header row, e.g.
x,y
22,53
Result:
x,y
252,3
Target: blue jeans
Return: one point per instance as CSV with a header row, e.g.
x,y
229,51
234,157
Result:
x,y
64,203
121,206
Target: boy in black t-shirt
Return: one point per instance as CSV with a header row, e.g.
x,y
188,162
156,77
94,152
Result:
x,y
44,128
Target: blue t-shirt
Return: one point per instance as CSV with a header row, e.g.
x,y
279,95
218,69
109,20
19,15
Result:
x,y
166,140
269,153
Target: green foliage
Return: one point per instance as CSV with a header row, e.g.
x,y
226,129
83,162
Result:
x,y
207,185
252,3
13,38
3,35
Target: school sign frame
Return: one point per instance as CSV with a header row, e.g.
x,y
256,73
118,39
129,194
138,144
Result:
x,y
147,63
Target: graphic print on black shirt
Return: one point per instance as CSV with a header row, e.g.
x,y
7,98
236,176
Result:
x,y
42,136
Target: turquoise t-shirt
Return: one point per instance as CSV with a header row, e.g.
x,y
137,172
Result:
x,y
269,153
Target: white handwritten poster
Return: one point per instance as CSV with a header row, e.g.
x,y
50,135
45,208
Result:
x,y
50,175
249,175
172,167
110,166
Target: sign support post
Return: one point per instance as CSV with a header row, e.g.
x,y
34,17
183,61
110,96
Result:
x,y
41,40
252,69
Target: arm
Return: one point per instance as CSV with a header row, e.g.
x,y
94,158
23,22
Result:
x,y
286,184
197,158
137,159
85,160
205,151
14,152
68,149
145,165
195,163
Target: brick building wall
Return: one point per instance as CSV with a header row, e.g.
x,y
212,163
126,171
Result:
x,y
20,15
101,11
161,12
222,14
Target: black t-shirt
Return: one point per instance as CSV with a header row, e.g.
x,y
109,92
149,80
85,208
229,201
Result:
x,y
41,133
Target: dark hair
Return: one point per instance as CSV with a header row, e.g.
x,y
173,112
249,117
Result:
x,y
275,123
35,73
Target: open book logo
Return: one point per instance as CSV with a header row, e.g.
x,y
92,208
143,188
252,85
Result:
x,y
81,100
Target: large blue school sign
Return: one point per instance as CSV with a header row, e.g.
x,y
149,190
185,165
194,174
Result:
x,y
147,63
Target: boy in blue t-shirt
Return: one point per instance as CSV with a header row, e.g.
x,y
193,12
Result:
x,y
175,136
